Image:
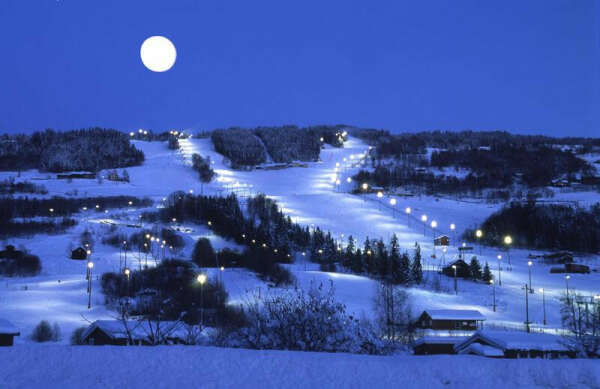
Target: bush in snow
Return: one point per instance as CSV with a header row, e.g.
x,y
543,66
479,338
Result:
x,y
202,166
308,321
204,254
44,332
18,263
76,336
581,318
393,310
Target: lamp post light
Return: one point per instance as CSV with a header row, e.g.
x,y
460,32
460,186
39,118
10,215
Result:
x,y
499,270
479,234
90,266
424,220
529,264
543,304
527,308
494,294
455,284
567,278
508,241
433,227
407,210
453,229
201,280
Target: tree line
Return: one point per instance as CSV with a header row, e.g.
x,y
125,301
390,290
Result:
x,y
87,149
543,227
249,147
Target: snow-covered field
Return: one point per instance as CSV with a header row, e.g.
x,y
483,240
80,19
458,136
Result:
x,y
206,367
311,197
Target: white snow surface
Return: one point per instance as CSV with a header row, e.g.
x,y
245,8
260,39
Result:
x,y
66,367
310,197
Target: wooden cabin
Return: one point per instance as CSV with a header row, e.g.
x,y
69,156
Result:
x,y
117,333
462,269
450,319
514,344
571,268
7,333
433,345
79,254
442,241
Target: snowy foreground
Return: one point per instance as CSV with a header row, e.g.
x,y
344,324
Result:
x,y
28,366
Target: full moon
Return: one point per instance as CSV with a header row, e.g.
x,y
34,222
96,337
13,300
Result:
x,y
158,53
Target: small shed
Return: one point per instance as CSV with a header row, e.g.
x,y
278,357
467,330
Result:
x,y
7,333
432,345
79,254
442,241
514,344
118,333
450,319
462,269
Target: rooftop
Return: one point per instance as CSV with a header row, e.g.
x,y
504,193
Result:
x,y
455,314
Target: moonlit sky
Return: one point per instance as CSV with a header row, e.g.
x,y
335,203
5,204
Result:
x,y
524,66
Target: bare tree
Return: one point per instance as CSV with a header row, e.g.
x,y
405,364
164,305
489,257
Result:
x,y
581,318
393,312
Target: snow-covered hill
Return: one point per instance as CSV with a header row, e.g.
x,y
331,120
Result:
x,y
311,197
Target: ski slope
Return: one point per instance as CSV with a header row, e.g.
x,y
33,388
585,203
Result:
x,y
311,197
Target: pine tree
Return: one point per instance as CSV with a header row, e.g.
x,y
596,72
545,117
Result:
x,y
475,269
416,271
487,274
404,269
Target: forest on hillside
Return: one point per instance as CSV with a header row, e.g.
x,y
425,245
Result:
x,y
284,144
91,150
543,227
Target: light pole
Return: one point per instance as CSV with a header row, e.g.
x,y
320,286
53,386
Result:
x,y
499,270
424,220
508,241
393,203
127,274
543,304
494,294
527,309
567,277
90,266
201,281
479,234
433,226
408,211
453,229
455,283
529,264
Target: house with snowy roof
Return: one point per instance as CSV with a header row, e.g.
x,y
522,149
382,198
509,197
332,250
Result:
x,y
451,319
7,333
514,344
121,333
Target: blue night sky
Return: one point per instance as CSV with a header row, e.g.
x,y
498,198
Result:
x,y
524,66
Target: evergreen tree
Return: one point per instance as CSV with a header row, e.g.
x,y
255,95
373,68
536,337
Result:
x,y
475,269
404,269
487,274
383,260
416,271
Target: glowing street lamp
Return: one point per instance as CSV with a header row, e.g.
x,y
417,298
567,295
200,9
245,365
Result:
x,y
453,229
567,278
424,220
348,180
479,234
201,280
379,194
407,210
365,186
90,266
455,283
508,241
499,270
